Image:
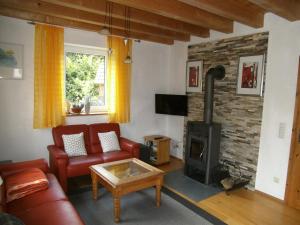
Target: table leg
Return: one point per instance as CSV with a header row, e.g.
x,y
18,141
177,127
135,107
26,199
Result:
x,y
158,187
94,185
117,209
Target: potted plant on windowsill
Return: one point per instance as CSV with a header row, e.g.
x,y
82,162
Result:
x,y
77,107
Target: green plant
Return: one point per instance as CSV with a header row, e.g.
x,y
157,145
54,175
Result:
x,y
81,70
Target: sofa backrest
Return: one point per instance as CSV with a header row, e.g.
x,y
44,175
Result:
x,y
101,128
57,133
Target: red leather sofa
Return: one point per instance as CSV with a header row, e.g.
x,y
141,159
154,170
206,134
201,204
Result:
x,y
64,167
47,207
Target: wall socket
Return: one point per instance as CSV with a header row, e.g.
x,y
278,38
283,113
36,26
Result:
x,y
176,145
276,180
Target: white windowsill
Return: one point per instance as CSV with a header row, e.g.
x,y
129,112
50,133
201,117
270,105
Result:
x,y
85,114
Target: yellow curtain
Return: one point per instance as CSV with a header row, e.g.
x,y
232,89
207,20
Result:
x,y
49,110
118,81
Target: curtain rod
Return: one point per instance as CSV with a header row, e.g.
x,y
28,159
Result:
x,y
34,23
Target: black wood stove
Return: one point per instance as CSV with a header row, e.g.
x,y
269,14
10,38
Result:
x,y
203,137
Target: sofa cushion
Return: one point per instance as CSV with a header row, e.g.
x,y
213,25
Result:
x,y
79,165
101,128
53,193
74,144
24,183
109,141
56,212
57,133
115,155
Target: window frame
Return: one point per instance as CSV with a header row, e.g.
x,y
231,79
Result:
x,y
91,50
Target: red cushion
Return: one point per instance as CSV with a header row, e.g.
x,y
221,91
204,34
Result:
x,y
79,165
53,213
115,155
57,133
53,193
101,128
24,183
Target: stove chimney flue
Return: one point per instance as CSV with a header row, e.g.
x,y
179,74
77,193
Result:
x,y
218,73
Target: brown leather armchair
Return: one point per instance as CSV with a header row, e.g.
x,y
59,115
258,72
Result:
x,y
64,167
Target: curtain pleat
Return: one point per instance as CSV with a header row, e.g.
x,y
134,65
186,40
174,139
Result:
x,y
118,81
49,108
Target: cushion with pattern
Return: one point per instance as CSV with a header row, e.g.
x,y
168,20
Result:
x,y
74,144
109,141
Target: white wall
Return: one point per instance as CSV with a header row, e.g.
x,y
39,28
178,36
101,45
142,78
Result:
x,y
279,99
280,92
149,76
176,85
19,141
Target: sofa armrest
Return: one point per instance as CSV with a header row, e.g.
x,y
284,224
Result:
x,y
2,199
57,153
130,146
38,163
59,161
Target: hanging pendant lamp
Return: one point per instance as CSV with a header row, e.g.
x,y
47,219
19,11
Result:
x,y
127,59
125,41
105,29
109,51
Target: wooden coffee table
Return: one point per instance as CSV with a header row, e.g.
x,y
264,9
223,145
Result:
x,y
125,176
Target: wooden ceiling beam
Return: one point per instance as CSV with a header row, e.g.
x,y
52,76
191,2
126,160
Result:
x,y
238,10
25,15
289,9
40,7
181,11
136,15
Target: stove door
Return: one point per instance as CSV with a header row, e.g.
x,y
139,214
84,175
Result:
x,y
197,149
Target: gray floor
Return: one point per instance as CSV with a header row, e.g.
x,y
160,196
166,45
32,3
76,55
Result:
x,y
189,187
136,208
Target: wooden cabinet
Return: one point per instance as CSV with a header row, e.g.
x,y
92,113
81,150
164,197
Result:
x,y
160,148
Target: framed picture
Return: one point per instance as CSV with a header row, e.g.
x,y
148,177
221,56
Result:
x,y
11,61
194,76
250,75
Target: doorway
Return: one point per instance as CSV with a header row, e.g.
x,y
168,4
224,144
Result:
x,y
292,194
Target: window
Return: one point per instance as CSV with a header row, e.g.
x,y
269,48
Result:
x,y
85,71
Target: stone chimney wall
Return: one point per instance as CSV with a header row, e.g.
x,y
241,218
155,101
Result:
x,y
240,115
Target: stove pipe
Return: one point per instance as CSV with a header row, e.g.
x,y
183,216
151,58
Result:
x,y
218,73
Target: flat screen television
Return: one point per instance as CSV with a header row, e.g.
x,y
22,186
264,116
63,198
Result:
x,y
171,104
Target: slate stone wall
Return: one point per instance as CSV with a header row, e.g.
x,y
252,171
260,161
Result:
x,y
240,115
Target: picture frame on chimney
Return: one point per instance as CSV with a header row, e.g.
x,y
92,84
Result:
x,y
194,71
250,75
